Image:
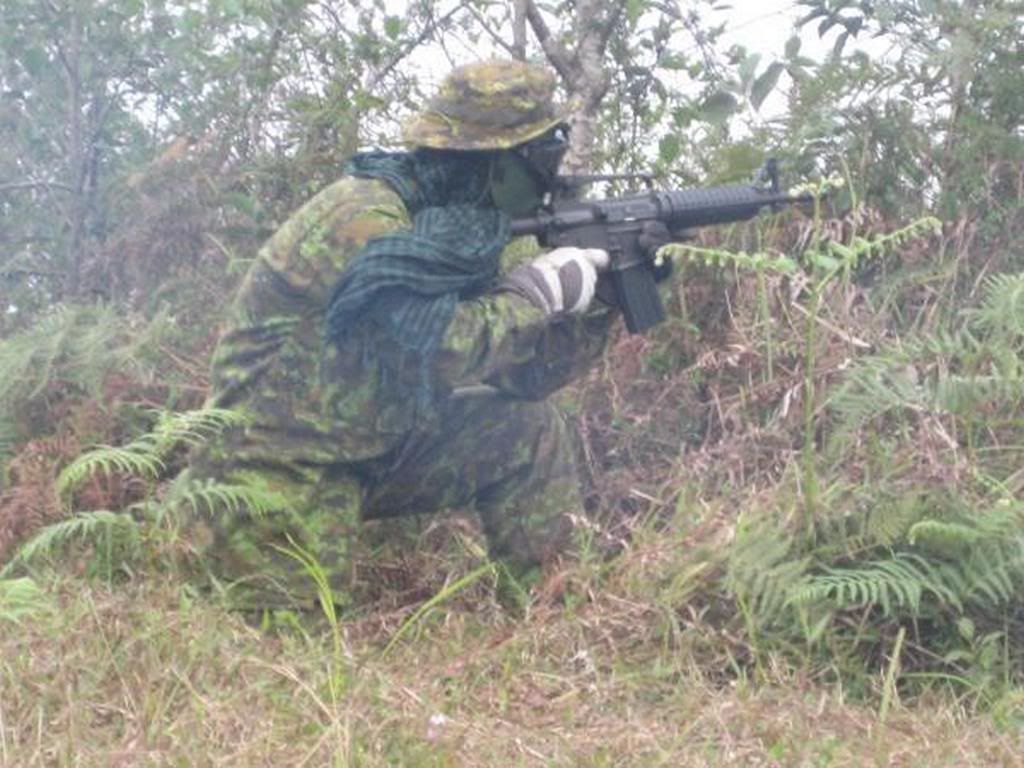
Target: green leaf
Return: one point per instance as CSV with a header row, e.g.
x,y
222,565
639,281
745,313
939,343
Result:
x,y
765,84
393,27
718,107
823,261
668,148
837,49
793,46
34,60
748,67
634,10
844,252
673,61
21,599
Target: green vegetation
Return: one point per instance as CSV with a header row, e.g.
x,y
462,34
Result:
x,y
812,470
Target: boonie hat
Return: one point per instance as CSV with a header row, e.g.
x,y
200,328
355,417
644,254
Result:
x,y
494,104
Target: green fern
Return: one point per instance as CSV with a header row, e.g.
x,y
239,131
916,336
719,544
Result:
x,y
716,257
75,347
209,497
21,599
948,373
898,582
762,570
971,558
76,344
192,427
876,386
888,523
135,459
1001,311
145,457
91,527
946,537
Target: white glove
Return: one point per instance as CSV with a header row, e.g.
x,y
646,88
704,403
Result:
x,y
562,280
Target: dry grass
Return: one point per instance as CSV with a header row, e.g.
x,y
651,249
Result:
x,y
145,675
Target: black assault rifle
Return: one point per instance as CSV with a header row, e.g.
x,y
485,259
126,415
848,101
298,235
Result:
x,y
617,224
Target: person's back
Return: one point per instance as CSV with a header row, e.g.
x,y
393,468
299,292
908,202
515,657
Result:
x,y
268,364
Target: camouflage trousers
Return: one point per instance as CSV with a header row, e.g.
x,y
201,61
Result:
x,y
511,461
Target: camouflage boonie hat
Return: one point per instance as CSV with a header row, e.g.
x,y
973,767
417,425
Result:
x,y
488,105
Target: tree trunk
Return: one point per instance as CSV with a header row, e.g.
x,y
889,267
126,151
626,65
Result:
x,y
582,71
72,59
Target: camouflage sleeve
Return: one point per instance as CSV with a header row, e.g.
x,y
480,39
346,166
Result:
x,y
502,340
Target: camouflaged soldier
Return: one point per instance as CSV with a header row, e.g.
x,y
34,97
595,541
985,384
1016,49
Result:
x,y
363,332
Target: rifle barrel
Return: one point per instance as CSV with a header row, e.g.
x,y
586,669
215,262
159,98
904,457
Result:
x,y
681,208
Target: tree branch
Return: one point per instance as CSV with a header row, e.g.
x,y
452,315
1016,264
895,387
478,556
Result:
x,y
426,32
519,29
510,49
609,27
19,185
556,53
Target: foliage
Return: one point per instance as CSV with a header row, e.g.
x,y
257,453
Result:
x,y
116,536
21,599
97,527
76,346
74,356
145,456
945,109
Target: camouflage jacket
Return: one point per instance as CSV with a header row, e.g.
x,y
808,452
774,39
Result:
x,y
314,403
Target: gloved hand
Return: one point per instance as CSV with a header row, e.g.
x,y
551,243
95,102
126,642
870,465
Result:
x,y
562,280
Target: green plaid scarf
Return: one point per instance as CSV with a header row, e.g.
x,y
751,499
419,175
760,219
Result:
x,y
408,283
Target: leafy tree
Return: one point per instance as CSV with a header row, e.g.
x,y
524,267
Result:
x,y
937,119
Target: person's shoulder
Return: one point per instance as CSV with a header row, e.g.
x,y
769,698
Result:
x,y
350,203
355,195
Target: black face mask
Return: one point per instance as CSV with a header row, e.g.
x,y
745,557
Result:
x,y
544,154
522,177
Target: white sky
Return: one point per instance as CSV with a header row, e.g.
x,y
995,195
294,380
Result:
x,y
764,26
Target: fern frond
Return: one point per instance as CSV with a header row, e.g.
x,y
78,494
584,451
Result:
x,y
877,385
833,257
888,524
944,536
138,458
994,572
74,343
21,599
1001,311
211,497
762,570
899,582
83,527
193,427
961,395
759,262
943,374
144,457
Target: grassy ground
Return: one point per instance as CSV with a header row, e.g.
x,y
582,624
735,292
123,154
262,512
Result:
x,y
644,661
147,675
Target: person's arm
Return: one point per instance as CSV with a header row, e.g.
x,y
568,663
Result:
x,y
535,334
